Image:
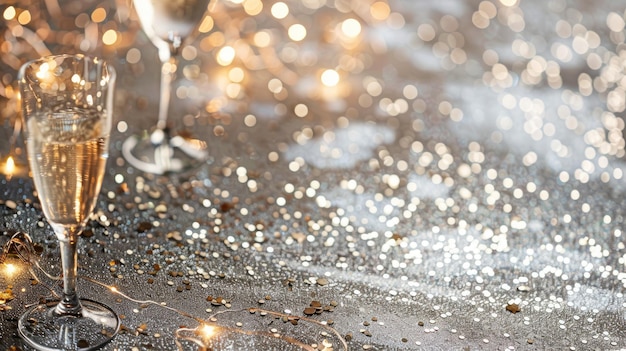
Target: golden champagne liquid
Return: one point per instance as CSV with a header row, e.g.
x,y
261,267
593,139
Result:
x,y
170,18
67,154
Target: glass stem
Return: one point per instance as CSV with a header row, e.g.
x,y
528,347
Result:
x,y
69,304
168,70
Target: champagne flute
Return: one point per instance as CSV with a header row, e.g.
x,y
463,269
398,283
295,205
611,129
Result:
x,y
67,105
167,23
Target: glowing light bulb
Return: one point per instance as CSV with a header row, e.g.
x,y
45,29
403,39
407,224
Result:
x,y
43,71
10,269
206,25
330,78
206,331
99,15
226,55
297,32
380,10
9,13
236,75
9,167
253,7
351,27
109,37
24,18
280,10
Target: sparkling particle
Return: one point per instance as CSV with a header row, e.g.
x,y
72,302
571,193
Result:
x,y
351,27
297,32
280,10
330,78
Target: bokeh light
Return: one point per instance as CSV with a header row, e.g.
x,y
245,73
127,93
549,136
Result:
x,y
297,32
330,78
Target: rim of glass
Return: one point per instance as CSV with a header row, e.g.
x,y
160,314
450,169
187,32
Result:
x,y
94,59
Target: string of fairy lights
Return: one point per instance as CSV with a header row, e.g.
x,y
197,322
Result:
x,y
21,246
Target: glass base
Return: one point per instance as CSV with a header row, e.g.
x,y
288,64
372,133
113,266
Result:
x,y
158,153
44,329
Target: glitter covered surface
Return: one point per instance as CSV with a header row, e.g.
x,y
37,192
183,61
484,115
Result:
x,y
393,175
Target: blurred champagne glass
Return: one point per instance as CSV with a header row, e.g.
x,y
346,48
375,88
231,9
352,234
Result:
x,y
67,106
167,23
